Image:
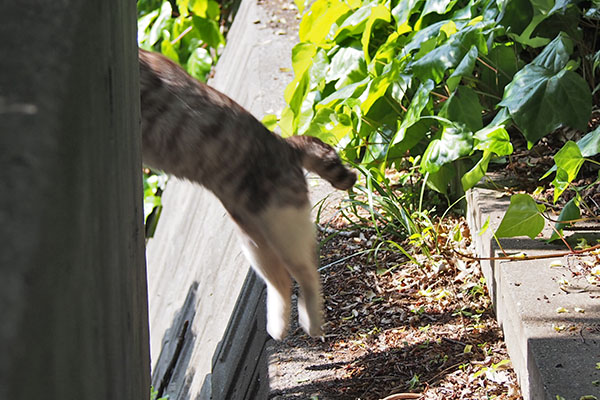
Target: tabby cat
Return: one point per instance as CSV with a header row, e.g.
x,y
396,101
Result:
x,y
192,131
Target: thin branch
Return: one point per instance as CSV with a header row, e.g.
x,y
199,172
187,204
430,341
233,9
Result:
x,y
525,258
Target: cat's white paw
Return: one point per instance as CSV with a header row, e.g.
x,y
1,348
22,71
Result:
x,y
277,327
278,313
312,321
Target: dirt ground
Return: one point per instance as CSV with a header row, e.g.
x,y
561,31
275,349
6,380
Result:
x,y
398,329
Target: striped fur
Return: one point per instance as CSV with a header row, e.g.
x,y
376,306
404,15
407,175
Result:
x,y
192,131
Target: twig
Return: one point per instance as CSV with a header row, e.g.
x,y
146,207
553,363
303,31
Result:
x,y
182,34
524,258
402,396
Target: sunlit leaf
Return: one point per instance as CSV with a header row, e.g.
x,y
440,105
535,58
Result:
x,y
434,64
199,63
437,6
474,175
464,68
569,159
379,14
455,141
522,218
347,66
162,22
418,103
316,23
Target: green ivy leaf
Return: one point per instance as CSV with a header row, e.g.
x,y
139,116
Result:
x,y
463,106
345,93
209,31
556,54
504,60
317,22
434,64
464,68
403,10
440,179
302,56
455,141
540,101
492,140
347,66
162,22
355,23
378,88
474,175
560,183
143,29
379,13
413,113
569,159
199,63
495,139
569,212
589,145
437,6
516,15
522,218
270,121
167,48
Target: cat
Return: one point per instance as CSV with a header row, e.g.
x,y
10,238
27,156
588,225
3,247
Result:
x,y
192,131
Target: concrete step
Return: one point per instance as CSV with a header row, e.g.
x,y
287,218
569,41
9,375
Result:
x,y
554,354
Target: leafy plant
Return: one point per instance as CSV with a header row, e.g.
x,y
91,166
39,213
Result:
x,y
524,218
154,185
186,31
443,79
154,395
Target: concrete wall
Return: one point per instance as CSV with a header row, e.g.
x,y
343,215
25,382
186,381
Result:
x,y
72,277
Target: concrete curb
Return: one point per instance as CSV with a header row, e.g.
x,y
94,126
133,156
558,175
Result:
x,y
526,295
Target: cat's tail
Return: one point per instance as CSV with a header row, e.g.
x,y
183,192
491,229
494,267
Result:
x,y
321,158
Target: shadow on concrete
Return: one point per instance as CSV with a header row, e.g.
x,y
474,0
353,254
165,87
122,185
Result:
x,y
564,367
169,373
240,362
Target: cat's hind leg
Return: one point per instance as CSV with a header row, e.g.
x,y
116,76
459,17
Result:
x,y
292,234
269,266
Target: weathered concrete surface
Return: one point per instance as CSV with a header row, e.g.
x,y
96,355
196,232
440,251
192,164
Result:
x,y
526,295
72,271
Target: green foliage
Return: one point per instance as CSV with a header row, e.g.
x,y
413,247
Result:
x,y
186,31
443,79
523,217
154,395
154,184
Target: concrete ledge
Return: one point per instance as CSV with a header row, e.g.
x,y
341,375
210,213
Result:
x,y
526,295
